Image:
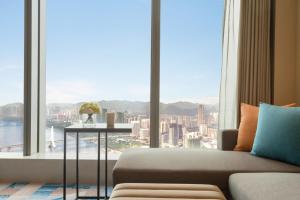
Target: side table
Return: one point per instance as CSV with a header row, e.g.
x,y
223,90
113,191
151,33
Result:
x,y
97,128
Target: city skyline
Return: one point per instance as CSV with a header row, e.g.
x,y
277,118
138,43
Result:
x,y
177,129
182,124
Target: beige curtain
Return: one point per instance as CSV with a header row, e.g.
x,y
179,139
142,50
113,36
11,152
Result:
x,y
254,54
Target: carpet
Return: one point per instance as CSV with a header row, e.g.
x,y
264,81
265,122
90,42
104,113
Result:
x,y
35,191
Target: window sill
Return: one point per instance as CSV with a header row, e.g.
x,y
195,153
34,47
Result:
x,y
53,156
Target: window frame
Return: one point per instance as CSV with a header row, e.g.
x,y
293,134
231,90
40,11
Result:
x,y
35,76
155,74
31,74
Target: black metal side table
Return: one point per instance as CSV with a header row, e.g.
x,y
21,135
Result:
x,y
97,128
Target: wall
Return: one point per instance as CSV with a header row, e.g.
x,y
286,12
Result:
x,y
285,86
32,169
298,54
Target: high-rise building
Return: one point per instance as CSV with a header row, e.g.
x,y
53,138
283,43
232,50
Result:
x,y
164,138
136,128
180,132
145,123
102,116
144,134
200,117
172,136
203,129
175,134
164,127
120,118
212,132
192,140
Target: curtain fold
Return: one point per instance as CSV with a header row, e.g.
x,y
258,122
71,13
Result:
x,y
247,74
228,88
254,54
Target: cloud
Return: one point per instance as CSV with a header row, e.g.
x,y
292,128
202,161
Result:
x,y
70,91
75,91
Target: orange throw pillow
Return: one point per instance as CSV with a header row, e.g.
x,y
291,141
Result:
x,y
248,125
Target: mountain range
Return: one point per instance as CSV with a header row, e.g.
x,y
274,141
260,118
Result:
x,y
137,107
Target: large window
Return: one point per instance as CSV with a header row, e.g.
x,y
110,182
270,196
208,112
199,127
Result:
x,y
11,75
191,34
98,51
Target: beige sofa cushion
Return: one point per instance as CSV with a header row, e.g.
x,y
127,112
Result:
x,y
191,166
150,191
265,186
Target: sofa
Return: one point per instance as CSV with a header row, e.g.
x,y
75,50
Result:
x,y
229,170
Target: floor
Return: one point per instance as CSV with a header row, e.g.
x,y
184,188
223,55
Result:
x,y
35,191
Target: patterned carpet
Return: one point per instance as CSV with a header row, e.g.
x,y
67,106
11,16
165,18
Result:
x,y
31,191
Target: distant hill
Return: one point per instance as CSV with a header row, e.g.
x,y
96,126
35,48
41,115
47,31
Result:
x,y
185,108
138,107
178,108
129,106
13,111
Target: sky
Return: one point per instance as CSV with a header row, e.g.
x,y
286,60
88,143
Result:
x,y
100,49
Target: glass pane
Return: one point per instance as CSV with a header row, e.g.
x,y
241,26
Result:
x,y
191,42
11,75
98,51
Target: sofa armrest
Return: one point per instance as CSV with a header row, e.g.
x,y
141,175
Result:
x,y
227,139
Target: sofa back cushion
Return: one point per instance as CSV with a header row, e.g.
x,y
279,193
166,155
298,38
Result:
x,y
247,128
248,125
278,134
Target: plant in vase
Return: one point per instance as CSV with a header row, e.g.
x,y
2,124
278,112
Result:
x,y
89,109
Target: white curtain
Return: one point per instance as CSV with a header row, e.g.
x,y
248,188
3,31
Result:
x,y
229,81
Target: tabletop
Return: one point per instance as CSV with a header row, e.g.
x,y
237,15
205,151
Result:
x,y
100,127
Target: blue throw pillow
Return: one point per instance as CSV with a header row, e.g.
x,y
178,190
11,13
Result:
x,y
278,134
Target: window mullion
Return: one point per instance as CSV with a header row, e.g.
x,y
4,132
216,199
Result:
x,y
155,74
31,77
42,77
